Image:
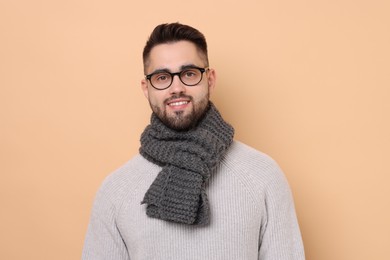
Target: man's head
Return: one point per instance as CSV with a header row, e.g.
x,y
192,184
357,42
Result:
x,y
178,80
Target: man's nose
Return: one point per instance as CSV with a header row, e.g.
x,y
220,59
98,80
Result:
x,y
177,86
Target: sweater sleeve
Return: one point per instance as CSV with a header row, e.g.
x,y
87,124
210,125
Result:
x,y
103,240
280,237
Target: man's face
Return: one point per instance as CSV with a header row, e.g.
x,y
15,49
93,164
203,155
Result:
x,y
179,106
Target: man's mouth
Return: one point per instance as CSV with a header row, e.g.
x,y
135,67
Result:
x,y
178,103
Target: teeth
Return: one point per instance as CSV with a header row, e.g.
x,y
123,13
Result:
x,y
178,103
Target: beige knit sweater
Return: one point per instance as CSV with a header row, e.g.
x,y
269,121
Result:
x,y
252,215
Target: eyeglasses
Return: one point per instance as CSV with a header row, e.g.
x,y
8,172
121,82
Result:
x,y
190,76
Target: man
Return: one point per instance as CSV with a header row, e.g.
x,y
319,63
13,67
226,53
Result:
x,y
192,192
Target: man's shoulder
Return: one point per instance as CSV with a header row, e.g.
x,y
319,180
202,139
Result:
x,y
248,162
137,165
241,152
127,178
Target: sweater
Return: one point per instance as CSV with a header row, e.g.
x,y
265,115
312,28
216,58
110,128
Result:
x,y
252,215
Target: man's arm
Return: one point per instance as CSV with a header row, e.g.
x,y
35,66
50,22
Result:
x,y
103,240
280,237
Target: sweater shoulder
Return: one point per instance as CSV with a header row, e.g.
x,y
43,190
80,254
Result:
x,y
246,159
125,180
254,169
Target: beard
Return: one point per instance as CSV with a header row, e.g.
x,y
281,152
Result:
x,y
180,121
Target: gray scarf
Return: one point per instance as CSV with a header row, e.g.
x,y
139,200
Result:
x,y
187,159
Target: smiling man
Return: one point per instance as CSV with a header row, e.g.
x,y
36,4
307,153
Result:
x,y
176,100
193,192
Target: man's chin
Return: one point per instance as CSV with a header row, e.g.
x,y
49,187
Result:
x,y
179,122
181,119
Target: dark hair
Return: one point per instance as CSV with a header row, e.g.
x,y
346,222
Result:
x,y
174,32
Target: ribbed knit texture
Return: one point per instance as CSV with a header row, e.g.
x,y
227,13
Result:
x,y
187,158
252,217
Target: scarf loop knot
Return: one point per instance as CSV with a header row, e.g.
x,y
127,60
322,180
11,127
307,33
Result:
x,y
187,159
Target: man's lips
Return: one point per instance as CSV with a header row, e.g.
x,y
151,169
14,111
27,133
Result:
x,y
178,103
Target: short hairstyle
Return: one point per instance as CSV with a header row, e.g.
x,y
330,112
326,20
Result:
x,y
174,32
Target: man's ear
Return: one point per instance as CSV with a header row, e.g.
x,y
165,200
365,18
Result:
x,y
212,79
144,87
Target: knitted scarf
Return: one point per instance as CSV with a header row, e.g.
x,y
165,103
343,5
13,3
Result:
x,y
187,159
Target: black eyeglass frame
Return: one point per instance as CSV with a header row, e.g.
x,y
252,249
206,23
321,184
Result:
x,y
202,70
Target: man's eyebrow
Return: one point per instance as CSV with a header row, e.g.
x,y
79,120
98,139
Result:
x,y
160,70
182,67
187,66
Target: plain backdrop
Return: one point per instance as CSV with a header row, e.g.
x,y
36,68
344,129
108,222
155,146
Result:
x,y
307,82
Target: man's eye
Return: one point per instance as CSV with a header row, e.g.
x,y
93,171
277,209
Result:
x,y
162,77
189,73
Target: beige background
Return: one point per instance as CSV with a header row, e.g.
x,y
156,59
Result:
x,y
307,82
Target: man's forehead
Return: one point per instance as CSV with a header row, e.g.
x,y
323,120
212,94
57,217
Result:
x,y
174,45
172,51
173,56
